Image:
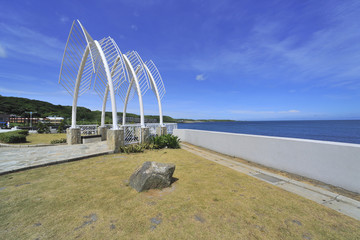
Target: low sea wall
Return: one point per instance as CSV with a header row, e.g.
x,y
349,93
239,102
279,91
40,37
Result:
x,y
333,163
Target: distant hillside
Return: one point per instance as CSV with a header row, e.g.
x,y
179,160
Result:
x,y
18,106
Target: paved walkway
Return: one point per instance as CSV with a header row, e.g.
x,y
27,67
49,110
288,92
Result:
x,y
14,158
342,204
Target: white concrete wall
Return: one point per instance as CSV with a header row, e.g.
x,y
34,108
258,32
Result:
x,y
334,163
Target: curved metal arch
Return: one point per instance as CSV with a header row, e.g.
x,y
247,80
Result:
x,y
134,80
118,72
158,82
139,81
157,85
116,64
76,62
73,58
143,78
110,84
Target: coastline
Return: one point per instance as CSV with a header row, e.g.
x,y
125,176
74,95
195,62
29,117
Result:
x,y
347,131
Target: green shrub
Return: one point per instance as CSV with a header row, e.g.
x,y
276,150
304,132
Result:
x,y
158,142
42,128
56,141
23,132
12,137
169,141
150,146
134,148
172,141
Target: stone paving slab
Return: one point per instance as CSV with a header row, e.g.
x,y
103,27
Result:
x,y
342,204
15,159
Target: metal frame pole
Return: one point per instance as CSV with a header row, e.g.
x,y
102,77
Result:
x,y
77,86
157,95
107,93
142,120
110,84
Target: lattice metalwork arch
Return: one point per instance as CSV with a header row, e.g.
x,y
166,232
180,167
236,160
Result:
x,y
139,82
157,85
158,82
76,74
100,64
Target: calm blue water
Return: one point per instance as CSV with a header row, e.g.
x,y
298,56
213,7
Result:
x,y
335,130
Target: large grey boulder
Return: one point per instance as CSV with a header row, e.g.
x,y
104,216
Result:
x,y
152,175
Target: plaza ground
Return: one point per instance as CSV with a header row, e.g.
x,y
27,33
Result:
x,y
90,199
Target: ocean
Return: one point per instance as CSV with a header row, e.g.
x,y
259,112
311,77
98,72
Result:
x,y
347,131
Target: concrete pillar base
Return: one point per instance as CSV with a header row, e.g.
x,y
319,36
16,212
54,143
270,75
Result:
x,y
161,131
115,139
145,135
73,136
102,131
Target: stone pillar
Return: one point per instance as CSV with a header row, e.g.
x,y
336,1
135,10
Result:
x,y
102,131
161,131
73,136
145,134
115,139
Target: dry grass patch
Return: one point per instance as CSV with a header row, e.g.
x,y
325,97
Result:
x,y
35,138
296,177
90,199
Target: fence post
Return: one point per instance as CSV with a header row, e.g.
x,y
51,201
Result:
x,y
103,132
73,136
161,130
144,134
115,139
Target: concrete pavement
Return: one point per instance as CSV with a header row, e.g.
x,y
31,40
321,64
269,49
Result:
x,y
14,159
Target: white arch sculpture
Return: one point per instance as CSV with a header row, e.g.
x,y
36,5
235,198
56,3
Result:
x,y
117,73
157,85
139,82
76,65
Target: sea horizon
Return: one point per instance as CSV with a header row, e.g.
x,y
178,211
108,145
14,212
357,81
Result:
x,y
346,131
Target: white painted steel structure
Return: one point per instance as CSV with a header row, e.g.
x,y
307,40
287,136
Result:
x,y
100,64
77,65
157,85
135,81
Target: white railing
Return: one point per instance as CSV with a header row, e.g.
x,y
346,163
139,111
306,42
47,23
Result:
x,y
170,127
132,132
152,128
88,129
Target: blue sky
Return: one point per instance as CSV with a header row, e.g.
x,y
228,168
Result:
x,y
242,60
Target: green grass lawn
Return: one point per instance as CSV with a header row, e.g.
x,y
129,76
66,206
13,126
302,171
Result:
x,y
90,199
35,138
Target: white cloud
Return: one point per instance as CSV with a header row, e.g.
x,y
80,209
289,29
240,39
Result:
x,y
200,77
134,27
64,19
30,45
11,91
328,55
2,52
293,111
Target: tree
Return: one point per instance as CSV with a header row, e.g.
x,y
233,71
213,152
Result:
x,y
42,128
61,127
